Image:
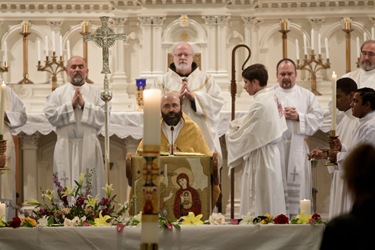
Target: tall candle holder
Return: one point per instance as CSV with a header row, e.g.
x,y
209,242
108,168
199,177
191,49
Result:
x,y
25,33
53,67
347,28
313,65
284,30
85,32
141,84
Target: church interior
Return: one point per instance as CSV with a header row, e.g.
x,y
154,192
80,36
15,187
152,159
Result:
x,y
32,31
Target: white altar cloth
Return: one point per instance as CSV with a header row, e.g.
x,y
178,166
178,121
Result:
x,y
121,124
206,237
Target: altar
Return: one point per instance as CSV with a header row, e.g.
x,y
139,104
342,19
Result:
x,y
205,237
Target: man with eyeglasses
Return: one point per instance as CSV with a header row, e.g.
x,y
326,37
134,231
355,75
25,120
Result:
x,y
201,95
365,75
304,117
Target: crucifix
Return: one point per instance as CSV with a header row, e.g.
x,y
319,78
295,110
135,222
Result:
x,y
104,37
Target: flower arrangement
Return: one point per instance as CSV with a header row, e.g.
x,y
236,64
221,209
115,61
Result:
x,y
303,218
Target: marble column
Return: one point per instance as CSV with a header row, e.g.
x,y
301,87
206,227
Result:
x,y
252,25
222,75
119,74
146,27
210,22
157,52
29,146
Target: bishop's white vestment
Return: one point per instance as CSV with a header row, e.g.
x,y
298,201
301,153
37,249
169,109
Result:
x,y
294,149
252,144
16,113
77,148
340,201
208,103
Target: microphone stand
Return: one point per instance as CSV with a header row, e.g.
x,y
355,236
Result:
x,y
172,143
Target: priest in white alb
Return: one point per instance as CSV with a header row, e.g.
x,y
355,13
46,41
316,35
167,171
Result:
x,y
252,144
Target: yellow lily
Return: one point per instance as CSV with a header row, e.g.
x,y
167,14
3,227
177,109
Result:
x,y
192,220
2,224
108,190
102,220
91,201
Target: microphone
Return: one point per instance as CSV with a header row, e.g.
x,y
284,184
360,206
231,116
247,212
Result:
x,y
172,129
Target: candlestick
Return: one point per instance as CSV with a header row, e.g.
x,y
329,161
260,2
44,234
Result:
x,y
284,24
2,212
333,123
53,67
25,27
2,107
53,42
327,50
297,49
304,44
305,206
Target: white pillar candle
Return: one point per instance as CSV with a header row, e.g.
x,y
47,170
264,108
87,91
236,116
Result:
x,y
2,212
304,44
327,50
358,48
2,107
312,40
151,116
364,37
297,49
46,45
53,42
333,123
319,45
305,206
60,46
39,53
5,51
68,48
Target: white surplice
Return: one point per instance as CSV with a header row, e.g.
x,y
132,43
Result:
x,y
363,78
208,102
15,111
252,144
77,148
294,149
340,201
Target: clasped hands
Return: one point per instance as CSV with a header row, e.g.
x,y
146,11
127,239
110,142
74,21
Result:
x,y
291,113
185,91
78,99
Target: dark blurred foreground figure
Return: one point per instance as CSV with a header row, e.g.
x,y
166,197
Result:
x,y
355,230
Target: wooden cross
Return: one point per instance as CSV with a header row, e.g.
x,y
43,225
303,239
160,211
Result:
x,y
104,37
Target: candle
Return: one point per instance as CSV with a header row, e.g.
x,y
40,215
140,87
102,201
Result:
x,y
151,128
304,44
46,45
305,206
284,24
5,51
60,46
2,212
39,53
372,33
358,48
326,44
333,122
2,107
53,42
25,27
312,39
297,49
85,27
364,36
319,45
68,48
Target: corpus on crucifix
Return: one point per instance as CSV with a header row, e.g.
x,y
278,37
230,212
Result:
x,y
105,37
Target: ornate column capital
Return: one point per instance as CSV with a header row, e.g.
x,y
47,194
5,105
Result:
x,y
252,21
55,25
316,22
210,20
29,141
145,20
158,20
222,20
118,21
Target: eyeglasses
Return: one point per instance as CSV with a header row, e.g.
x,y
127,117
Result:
x,y
369,54
182,54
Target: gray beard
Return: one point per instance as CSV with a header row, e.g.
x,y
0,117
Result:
x,y
77,80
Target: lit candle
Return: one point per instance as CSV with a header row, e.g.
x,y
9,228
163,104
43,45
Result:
x,y
39,53
46,45
60,46
297,49
68,48
2,212
326,44
333,122
312,39
319,45
2,107
372,33
53,42
304,44
364,36
5,51
358,48
151,128
305,206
